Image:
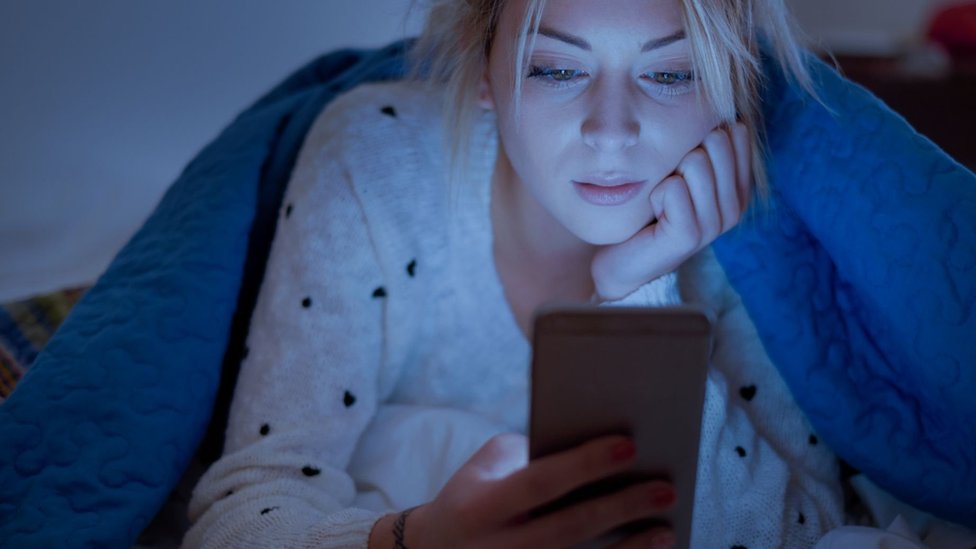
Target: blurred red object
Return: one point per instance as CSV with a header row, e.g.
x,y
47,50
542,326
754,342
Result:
x,y
954,28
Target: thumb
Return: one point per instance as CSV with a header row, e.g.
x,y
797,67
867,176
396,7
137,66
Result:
x,y
501,456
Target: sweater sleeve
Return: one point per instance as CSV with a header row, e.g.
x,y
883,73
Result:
x,y
310,381
755,445
660,292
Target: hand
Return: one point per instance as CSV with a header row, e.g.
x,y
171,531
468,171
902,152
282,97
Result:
x,y
486,504
703,199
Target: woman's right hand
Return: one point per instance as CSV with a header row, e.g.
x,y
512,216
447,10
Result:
x,y
487,503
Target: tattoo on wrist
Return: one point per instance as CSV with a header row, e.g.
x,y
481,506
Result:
x,y
398,529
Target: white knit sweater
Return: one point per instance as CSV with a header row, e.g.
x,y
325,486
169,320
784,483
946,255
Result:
x,y
383,353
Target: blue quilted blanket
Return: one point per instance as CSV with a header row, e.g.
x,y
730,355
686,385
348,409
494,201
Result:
x,y
861,280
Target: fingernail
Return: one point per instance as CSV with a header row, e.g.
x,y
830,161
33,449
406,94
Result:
x,y
662,497
623,451
664,539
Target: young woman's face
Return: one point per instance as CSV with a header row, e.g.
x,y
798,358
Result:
x,y
608,110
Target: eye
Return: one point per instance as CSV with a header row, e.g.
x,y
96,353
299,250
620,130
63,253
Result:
x,y
556,76
669,78
670,83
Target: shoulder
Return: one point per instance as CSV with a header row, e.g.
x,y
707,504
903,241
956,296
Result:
x,y
382,144
385,138
393,116
396,100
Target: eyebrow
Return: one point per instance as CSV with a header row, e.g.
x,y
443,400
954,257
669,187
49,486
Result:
x,y
650,45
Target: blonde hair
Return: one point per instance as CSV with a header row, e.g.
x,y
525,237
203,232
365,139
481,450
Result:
x,y
724,35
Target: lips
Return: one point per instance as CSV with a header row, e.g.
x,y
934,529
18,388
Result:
x,y
608,191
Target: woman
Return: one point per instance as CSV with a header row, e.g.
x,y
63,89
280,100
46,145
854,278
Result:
x,y
569,150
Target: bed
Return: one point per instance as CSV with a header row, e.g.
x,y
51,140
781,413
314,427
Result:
x,y
861,279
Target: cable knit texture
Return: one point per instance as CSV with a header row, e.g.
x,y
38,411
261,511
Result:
x,y
382,353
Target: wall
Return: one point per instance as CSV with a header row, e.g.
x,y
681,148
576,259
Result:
x,y
878,27
102,103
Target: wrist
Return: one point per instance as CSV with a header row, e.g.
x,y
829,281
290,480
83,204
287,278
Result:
x,y
397,530
381,536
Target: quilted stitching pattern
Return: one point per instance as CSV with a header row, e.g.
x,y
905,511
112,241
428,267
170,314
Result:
x,y
101,426
862,282
845,278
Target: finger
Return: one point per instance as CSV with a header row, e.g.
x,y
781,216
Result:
x,y
677,233
669,239
654,538
589,519
501,456
742,144
656,249
696,168
718,145
548,478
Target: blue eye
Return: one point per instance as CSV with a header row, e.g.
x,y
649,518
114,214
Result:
x,y
555,76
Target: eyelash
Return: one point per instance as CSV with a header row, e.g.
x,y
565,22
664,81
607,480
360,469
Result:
x,y
676,82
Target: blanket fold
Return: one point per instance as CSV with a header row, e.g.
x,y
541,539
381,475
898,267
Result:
x,y
862,282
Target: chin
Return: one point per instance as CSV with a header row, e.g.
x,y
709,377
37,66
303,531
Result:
x,y
610,227
607,234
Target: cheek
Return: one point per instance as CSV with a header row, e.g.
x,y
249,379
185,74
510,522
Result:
x,y
537,139
677,132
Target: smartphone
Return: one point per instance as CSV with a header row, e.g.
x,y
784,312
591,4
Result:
x,y
638,372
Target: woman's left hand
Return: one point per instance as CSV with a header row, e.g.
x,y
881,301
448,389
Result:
x,y
703,199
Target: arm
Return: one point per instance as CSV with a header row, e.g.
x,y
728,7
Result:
x,y
310,383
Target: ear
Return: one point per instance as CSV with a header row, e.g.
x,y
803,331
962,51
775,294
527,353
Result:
x,y
485,98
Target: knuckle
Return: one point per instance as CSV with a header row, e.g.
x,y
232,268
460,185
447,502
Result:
x,y
717,138
732,206
676,180
639,504
500,446
538,485
504,441
593,462
694,162
697,158
692,239
741,131
497,441
734,219
580,520
642,497
671,185
466,521
711,230
586,519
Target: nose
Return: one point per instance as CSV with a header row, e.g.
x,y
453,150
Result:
x,y
610,125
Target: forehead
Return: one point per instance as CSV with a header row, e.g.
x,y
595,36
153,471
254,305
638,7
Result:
x,y
636,20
